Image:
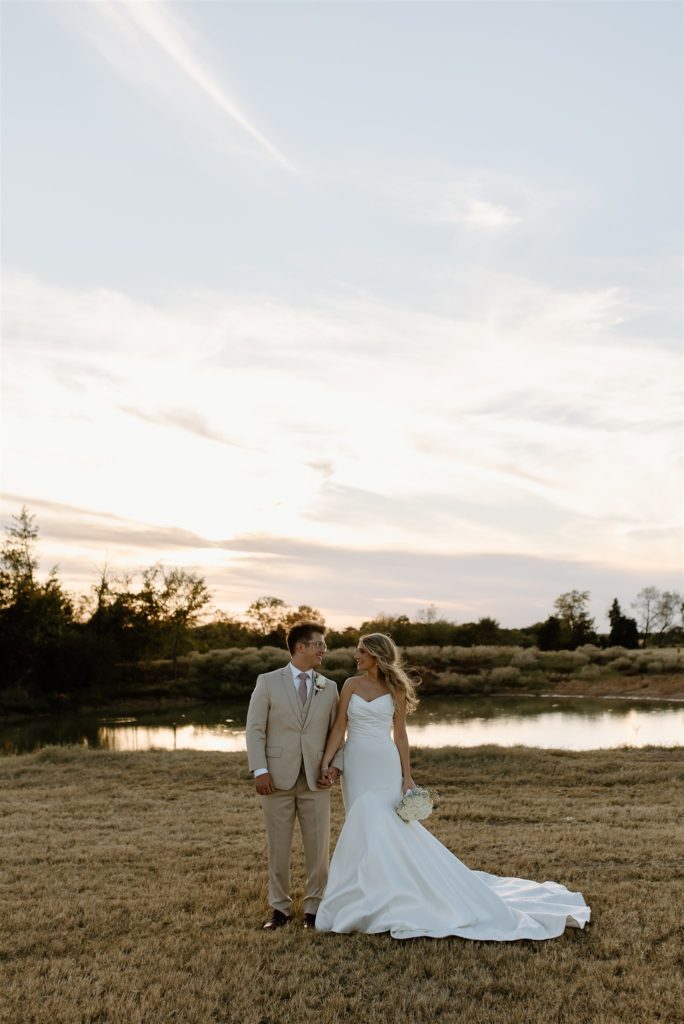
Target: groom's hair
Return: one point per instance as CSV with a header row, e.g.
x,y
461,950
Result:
x,y
302,632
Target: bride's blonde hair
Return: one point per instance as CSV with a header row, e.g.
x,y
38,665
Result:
x,y
390,667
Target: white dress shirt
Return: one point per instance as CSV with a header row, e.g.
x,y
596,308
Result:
x,y
295,681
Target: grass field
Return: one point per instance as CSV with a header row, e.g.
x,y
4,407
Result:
x,y
133,890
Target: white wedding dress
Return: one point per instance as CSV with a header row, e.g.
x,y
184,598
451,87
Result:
x,y
390,876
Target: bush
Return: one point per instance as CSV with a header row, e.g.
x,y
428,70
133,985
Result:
x,y
504,675
425,657
655,666
563,661
622,665
454,682
591,651
340,658
233,668
526,658
609,654
589,672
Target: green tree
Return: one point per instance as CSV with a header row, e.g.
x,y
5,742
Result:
x,y
18,562
624,631
572,610
222,631
36,619
166,608
487,631
271,619
183,599
265,615
549,634
304,613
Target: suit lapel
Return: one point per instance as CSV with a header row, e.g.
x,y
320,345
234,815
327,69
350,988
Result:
x,y
291,693
314,697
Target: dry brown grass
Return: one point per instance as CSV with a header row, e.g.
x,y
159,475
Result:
x,y
133,890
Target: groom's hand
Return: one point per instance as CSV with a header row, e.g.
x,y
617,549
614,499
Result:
x,y
327,777
264,784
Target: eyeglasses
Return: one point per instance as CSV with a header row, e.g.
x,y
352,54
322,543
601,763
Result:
x,y
317,643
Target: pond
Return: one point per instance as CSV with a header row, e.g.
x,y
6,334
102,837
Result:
x,y
565,723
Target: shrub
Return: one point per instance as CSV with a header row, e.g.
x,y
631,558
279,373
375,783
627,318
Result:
x,y
563,661
655,666
526,658
591,651
589,672
238,666
454,682
609,654
340,658
504,674
339,675
427,657
622,665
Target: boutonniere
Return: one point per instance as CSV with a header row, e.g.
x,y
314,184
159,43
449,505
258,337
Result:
x,y
319,683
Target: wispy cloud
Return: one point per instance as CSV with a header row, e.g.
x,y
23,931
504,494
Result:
x,y
423,446
479,213
483,200
348,583
133,36
183,419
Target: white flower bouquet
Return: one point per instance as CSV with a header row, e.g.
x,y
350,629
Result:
x,y
416,804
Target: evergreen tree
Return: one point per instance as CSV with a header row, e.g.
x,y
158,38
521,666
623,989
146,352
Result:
x,y
624,631
36,619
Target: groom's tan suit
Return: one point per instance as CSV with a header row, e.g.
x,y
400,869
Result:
x,y
288,738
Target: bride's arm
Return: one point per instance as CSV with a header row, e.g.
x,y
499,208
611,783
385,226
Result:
x,y
402,743
336,734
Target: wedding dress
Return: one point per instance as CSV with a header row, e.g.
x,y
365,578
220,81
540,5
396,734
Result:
x,y
389,875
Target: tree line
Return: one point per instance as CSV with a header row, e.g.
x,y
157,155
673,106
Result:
x,y
52,643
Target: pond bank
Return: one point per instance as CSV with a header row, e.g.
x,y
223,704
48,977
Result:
x,y
638,687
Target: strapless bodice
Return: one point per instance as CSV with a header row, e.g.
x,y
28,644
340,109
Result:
x,y
369,720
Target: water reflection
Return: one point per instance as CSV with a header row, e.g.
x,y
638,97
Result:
x,y
573,724
184,737
559,729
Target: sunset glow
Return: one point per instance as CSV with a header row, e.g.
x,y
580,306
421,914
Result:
x,y
364,334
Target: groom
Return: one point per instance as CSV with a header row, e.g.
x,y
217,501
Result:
x,y
291,712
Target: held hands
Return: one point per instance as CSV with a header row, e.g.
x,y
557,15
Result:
x,y
327,777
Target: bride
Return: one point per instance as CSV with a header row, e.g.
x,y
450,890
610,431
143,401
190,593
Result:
x,y
389,875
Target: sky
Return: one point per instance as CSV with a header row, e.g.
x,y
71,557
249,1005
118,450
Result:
x,y
368,306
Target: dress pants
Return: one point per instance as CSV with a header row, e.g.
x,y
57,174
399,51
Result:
x,y
312,809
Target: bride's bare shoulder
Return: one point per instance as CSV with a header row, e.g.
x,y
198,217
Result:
x,y
351,683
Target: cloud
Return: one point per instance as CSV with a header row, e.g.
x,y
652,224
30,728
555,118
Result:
x,y
153,46
479,213
183,419
526,425
490,202
349,584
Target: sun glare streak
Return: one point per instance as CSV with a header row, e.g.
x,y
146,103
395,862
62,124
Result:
x,y
166,30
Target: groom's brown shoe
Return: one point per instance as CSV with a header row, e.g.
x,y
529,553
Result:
x,y
309,920
278,919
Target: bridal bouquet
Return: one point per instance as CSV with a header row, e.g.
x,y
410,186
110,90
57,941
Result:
x,y
415,805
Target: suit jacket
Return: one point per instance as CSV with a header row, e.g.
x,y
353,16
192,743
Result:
x,y
281,734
